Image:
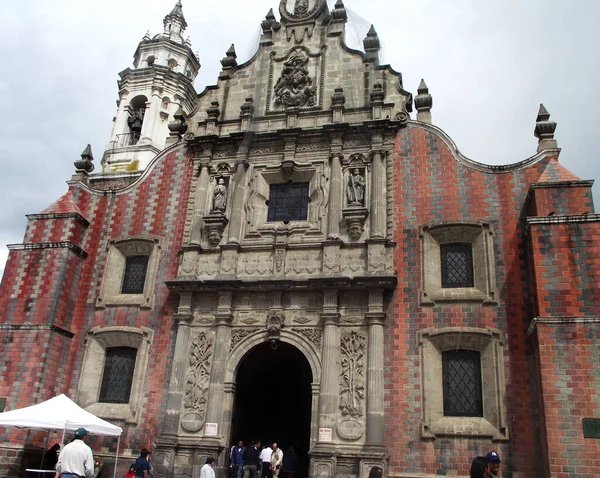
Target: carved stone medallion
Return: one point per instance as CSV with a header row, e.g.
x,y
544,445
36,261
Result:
x,y
300,10
294,87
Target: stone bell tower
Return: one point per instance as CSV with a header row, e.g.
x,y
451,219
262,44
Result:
x,y
160,83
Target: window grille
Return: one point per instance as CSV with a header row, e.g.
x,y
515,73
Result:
x,y
135,275
461,372
457,265
118,374
288,202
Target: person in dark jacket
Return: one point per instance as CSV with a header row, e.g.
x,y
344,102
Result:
x,y
237,458
51,457
251,461
290,463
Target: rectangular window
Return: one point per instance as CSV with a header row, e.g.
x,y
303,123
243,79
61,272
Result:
x,y
118,374
135,275
288,202
461,375
457,265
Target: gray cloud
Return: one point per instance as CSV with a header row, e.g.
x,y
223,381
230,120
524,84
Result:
x,y
487,64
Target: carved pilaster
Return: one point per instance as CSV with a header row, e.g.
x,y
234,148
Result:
x,y
352,386
378,196
328,400
335,197
375,404
237,210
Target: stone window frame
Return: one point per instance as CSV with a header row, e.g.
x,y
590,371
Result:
x,y
481,236
97,341
489,342
117,252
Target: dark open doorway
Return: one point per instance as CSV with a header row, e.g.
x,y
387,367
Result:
x,y
273,400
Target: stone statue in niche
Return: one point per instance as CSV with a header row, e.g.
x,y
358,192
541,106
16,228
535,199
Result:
x,y
294,87
135,122
355,191
219,197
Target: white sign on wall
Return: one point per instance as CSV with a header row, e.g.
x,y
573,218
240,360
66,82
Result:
x,y
211,429
325,434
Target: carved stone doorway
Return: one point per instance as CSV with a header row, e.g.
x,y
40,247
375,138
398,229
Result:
x,y
273,400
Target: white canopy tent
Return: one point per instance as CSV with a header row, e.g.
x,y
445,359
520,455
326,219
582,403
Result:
x,y
60,413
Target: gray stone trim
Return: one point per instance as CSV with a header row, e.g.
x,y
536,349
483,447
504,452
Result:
x,y
53,328
30,246
60,215
560,321
97,341
485,168
563,184
563,219
490,343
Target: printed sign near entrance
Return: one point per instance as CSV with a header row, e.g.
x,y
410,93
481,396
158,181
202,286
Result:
x,y
211,429
325,434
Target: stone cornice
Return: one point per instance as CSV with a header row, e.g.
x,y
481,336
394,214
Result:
x,y
48,245
548,220
563,184
53,328
60,215
556,321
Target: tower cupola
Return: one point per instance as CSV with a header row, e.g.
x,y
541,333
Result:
x,y
159,85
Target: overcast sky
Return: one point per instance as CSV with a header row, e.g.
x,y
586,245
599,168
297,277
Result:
x,y
488,65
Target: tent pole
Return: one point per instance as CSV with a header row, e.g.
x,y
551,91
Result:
x,y
117,457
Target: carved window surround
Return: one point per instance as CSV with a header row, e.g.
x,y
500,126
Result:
x,y
97,341
490,344
118,251
480,236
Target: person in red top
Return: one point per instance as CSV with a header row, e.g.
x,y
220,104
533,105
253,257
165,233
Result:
x,y
131,472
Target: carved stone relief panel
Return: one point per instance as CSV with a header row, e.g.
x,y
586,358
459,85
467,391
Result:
x,y
237,335
303,262
352,385
197,379
208,264
255,263
315,336
353,260
296,80
206,302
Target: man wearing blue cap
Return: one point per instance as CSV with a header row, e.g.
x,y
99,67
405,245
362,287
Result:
x,y
76,459
493,460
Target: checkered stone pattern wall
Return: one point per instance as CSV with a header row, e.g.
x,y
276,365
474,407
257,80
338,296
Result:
x,y
57,287
568,357
430,184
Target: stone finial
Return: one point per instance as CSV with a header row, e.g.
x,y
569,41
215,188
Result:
x,y
230,59
188,41
247,108
544,130
377,94
423,103
338,98
147,36
339,13
213,111
86,162
269,22
178,127
372,45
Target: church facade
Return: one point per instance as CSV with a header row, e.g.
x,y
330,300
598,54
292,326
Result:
x,y
297,254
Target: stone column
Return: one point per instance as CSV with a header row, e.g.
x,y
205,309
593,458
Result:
x,y
200,202
330,382
375,410
335,197
150,119
237,215
378,196
216,389
176,385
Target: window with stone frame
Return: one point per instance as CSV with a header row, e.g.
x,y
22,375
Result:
x,y
288,202
461,377
457,263
130,272
119,365
134,276
113,372
463,388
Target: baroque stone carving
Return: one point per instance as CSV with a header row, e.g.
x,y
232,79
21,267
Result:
x,y
215,223
219,201
355,218
313,335
237,335
294,88
275,322
352,383
279,259
196,383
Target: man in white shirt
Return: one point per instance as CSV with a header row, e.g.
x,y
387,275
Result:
x,y
76,459
207,470
276,460
265,459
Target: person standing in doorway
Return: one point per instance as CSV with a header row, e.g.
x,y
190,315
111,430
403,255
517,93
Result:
x,y
237,459
493,460
276,460
290,463
265,459
76,459
207,470
251,461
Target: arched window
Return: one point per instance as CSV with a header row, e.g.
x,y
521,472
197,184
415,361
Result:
x,y
119,365
137,110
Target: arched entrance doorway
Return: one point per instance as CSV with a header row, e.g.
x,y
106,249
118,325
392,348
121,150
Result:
x,y
273,400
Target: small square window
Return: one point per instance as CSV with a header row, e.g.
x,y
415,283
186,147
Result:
x,y
288,202
135,275
119,366
457,265
461,374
